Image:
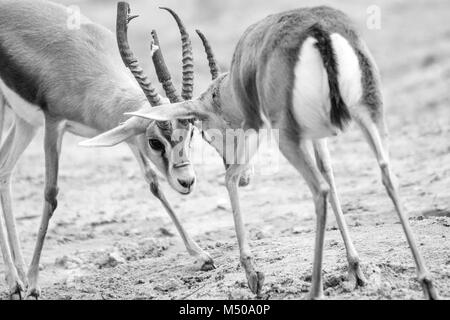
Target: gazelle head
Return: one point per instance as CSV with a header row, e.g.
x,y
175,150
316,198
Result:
x,y
165,143
206,108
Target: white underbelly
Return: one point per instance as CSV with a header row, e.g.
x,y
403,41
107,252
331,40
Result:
x,y
311,98
81,130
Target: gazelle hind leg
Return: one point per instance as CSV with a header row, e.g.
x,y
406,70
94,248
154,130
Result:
x,y
300,157
17,140
378,143
54,130
15,285
323,159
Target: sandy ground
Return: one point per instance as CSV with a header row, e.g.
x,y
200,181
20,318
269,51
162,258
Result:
x,y
110,239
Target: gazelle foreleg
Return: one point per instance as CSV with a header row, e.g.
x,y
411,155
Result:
x,y
245,148
371,130
202,257
16,141
323,160
54,130
255,278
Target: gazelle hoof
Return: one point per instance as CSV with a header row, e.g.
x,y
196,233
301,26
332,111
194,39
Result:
x,y
205,262
429,290
356,277
208,266
319,297
18,295
17,291
255,282
33,294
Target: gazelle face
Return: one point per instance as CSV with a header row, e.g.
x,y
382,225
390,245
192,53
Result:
x,y
165,143
169,145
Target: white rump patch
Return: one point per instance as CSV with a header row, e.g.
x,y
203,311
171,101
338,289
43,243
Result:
x,y
311,103
311,98
350,83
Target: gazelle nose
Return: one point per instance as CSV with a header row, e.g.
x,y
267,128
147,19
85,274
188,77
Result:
x,y
186,183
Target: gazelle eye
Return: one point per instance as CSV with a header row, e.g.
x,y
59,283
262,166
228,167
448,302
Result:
x,y
184,122
155,144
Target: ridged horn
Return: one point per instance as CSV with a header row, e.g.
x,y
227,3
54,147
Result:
x,y
123,18
213,65
163,72
188,58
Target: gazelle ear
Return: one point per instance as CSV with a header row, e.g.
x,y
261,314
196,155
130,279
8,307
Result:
x,y
131,127
182,110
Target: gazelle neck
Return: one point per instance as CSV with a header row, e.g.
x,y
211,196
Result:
x,y
105,110
231,110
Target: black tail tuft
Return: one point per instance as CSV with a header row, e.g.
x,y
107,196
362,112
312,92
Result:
x,y
339,114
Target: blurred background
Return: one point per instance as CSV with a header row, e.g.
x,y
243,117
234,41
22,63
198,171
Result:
x,y
412,41
105,205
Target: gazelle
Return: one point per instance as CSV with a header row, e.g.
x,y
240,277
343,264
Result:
x,y
75,80
305,73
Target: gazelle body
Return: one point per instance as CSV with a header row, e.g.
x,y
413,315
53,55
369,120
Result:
x,y
74,80
305,73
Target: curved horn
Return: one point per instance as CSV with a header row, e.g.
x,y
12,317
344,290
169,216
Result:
x,y
123,18
163,72
213,65
188,58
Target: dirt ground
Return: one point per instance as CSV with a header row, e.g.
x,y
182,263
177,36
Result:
x,y
110,239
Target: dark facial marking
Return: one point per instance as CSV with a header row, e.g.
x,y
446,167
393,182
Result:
x,y
156,145
166,129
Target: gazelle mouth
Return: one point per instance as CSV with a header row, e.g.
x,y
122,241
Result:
x,y
181,165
